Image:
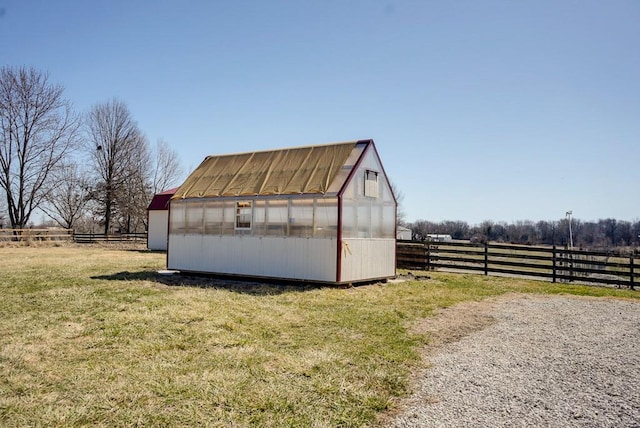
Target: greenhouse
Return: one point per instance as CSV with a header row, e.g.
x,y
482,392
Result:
x,y
317,213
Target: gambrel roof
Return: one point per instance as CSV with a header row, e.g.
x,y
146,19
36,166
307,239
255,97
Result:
x,y
292,171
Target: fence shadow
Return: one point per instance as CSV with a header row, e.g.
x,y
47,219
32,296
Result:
x,y
262,287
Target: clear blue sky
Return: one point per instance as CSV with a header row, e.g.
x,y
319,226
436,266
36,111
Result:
x,y
481,110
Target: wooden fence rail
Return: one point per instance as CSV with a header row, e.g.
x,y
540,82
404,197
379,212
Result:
x,y
550,263
88,238
53,234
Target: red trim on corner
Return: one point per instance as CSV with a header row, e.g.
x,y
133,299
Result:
x,y
386,177
395,234
339,241
168,232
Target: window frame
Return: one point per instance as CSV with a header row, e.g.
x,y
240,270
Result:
x,y
371,187
241,206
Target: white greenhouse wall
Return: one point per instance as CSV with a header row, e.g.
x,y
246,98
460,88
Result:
x,y
365,216
157,233
364,259
310,259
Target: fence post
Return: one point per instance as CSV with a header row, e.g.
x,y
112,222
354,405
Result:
x,y
631,285
486,258
570,254
427,254
554,263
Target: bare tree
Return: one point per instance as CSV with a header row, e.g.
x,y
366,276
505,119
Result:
x,y
401,215
135,194
67,199
116,147
157,171
37,131
167,170
3,214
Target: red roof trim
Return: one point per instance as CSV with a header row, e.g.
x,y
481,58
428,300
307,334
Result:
x,y
160,201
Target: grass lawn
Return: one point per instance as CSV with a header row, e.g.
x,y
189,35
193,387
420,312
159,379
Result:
x,y
94,336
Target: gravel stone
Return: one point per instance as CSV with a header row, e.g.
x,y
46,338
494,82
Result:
x,y
546,361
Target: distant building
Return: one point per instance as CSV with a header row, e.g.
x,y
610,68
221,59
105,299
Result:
x,y
439,238
403,233
158,220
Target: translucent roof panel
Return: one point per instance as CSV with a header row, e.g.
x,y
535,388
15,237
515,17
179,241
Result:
x,y
343,175
293,171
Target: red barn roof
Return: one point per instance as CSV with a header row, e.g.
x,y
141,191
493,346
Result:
x,y
160,201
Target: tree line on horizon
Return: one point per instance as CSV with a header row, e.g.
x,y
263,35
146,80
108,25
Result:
x,y
601,234
95,169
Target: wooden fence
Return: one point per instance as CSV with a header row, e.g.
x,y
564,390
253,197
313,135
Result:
x,y
53,234
89,238
549,263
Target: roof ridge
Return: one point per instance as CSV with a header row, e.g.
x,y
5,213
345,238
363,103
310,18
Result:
x,y
308,146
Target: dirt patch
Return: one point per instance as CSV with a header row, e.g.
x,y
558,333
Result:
x,y
455,322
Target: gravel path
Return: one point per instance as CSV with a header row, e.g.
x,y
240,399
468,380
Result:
x,y
546,361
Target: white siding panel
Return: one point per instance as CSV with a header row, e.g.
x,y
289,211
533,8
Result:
x,y
157,233
364,259
309,259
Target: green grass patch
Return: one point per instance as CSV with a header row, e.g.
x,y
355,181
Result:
x,y
93,336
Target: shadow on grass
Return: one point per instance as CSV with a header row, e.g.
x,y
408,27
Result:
x,y
145,251
263,287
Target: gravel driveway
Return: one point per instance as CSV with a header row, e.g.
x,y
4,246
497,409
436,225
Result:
x,y
545,361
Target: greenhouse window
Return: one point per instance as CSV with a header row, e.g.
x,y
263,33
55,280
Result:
x,y
243,214
371,184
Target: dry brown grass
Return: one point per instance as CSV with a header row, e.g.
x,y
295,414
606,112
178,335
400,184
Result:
x,y
94,336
